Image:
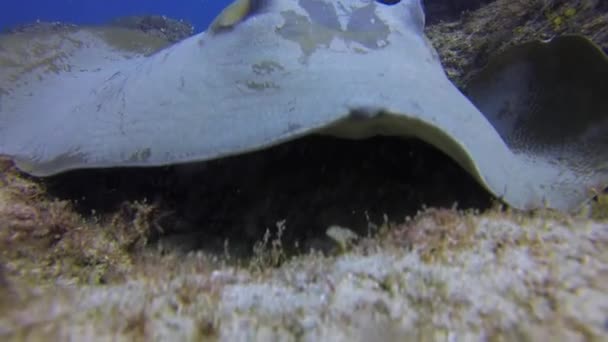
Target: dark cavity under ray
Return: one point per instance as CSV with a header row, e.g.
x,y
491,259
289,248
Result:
x,y
311,183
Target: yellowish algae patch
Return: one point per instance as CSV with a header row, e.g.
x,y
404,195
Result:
x,y
599,208
231,15
43,241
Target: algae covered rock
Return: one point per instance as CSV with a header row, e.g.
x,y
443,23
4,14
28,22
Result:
x,y
466,43
158,25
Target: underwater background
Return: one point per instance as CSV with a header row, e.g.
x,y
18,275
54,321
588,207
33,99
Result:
x,y
316,239
17,12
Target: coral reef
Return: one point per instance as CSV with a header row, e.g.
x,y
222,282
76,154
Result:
x,y
449,10
169,29
157,25
466,44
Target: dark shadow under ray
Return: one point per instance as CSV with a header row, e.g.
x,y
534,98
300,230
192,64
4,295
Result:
x,y
311,183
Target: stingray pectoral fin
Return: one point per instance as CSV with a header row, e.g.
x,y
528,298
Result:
x,y
548,102
487,160
54,86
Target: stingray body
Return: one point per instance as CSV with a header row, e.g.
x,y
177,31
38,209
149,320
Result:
x,y
268,71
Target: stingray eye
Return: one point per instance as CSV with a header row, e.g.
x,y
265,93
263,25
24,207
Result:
x,y
389,2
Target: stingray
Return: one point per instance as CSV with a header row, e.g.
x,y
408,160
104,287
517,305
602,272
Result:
x,y
269,71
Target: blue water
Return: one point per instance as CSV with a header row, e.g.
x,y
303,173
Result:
x,y
198,12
